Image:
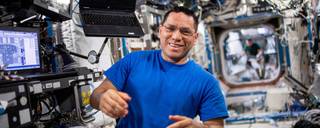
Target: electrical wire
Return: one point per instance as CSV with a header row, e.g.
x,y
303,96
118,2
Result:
x,y
75,7
73,11
48,101
50,108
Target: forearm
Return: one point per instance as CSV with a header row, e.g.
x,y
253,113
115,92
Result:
x,y
208,125
213,126
183,121
217,123
95,96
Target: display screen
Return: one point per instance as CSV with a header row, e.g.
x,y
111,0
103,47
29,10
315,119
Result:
x,y
19,49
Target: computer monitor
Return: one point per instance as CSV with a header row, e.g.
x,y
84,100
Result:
x,y
19,48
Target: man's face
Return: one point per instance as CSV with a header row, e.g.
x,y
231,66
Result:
x,y
249,42
177,36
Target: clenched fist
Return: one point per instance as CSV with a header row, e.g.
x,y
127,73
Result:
x,y
114,103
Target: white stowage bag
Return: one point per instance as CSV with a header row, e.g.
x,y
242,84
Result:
x,y
315,87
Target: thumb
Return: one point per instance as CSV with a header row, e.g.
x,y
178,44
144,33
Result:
x,y
124,96
177,118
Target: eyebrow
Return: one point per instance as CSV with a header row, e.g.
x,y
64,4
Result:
x,y
170,25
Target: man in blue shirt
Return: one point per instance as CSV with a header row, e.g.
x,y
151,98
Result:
x,y
163,88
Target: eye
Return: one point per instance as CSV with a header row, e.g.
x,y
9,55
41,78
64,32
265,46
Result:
x,y
186,31
170,28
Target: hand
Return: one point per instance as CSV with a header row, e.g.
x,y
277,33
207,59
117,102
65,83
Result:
x,y
184,122
259,56
114,103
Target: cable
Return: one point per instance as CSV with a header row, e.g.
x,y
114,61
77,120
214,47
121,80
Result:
x,y
50,109
91,114
52,103
71,14
313,116
48,101
74,8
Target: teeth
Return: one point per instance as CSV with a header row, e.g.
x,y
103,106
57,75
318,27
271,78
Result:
x,y
172,45
175,45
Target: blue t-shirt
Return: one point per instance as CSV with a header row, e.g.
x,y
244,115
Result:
x,y
159,88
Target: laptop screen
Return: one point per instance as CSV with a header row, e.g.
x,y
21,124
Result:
x,y
126,5
19,48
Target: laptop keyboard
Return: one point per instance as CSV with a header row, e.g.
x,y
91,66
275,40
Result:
x,y
110,20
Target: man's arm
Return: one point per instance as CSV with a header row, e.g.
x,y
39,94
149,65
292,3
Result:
x,y
182,122
107,99
103,87
214,123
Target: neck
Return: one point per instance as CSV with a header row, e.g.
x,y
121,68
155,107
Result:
x,y
183,60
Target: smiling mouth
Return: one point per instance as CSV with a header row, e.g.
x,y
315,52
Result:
x,y
175,45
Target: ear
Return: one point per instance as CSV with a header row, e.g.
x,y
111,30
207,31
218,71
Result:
x,y
196,35
160,29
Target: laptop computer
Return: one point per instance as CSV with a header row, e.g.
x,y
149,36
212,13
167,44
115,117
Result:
x,y
20,52
110,18
20,49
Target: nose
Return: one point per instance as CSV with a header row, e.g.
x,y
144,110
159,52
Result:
x,y
176,35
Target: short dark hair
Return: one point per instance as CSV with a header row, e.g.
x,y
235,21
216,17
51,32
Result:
x,y
184,10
